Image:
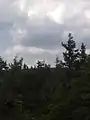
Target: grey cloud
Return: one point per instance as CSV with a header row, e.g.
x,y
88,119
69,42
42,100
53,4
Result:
x,y
44,36
40,31
5,25
31,54
5,38
49,34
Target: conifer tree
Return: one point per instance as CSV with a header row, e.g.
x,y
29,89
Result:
x,y
71,54
40,64
83,54
3,64
58,62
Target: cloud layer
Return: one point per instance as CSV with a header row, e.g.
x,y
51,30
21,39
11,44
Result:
x,y
36,27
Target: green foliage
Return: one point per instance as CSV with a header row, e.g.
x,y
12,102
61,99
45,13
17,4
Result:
x,y
44,92
17,64
59,63
71,54
42,64
3,64
83,55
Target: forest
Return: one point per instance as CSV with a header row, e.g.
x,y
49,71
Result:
x,y
44,92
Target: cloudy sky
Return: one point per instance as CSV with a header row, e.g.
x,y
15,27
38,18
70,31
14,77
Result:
x,y
34,29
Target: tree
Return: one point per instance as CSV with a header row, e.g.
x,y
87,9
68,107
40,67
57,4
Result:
x,y
47,65
71,54
25,67
17,64
83,55
3,64
40,64
59,63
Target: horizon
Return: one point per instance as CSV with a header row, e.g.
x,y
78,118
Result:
x,y
34,29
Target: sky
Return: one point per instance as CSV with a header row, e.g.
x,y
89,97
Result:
x,y
34,29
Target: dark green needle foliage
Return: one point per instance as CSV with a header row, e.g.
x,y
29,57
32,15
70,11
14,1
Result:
x,y
71,54
44,92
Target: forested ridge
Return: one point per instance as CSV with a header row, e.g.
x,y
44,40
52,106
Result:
x,y
43,92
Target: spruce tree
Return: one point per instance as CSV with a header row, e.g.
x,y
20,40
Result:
x,y
59,63
71,54
83,54
40,64
3,64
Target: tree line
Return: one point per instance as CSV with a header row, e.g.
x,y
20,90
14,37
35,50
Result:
x,y
45,93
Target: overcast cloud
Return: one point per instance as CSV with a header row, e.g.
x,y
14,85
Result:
x,y
34,29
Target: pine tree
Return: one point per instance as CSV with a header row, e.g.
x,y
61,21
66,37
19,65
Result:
x,y
17,64
58,62
71,54
83,54
40,64
3,64
25,67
